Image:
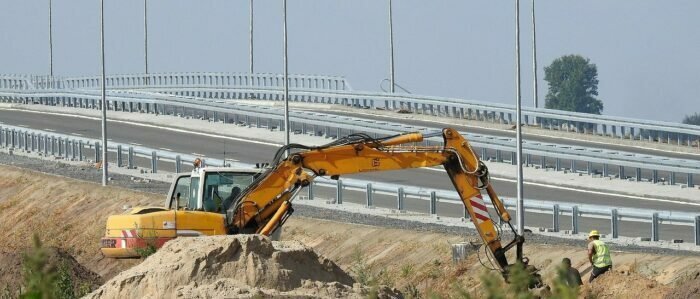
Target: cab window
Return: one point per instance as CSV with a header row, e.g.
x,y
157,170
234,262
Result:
x,y
222,188
181,193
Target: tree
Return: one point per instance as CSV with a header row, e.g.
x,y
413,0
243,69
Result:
x,y
692,119
573,83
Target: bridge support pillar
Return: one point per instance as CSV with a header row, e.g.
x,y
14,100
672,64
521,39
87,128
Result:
x,y
433,203
400,197
638,174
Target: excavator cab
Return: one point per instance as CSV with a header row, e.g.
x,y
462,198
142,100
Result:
x,y
196,205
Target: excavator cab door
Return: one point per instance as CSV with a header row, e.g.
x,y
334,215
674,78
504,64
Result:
x,y
179,192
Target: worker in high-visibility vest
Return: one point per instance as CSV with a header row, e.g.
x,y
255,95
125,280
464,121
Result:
x,y
598,255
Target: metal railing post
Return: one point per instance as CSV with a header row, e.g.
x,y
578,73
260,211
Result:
x,y
310,191
690,181
130,158
433,203
119,155
369,195
339,192
12,136
58,145
614,228
97,152
154,162
73,150
80,150
400,198
555,218
574,220
655,227
178,164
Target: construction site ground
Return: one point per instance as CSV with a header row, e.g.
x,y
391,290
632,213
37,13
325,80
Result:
x,y
65,207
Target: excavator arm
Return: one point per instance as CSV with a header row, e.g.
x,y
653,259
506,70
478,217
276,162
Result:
x,y
266,203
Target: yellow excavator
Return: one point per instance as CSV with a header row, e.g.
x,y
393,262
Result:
x,y
216,201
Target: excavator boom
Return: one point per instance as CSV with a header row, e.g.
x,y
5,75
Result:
x,y
266,203
214,201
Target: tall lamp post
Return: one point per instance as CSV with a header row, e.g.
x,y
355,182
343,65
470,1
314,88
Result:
x,y
534,56
145,35
50,40
286,79
518,130
104,98
391,50
250,37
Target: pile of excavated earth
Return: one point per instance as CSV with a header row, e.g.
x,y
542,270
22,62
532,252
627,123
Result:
x,y
319,257
245,266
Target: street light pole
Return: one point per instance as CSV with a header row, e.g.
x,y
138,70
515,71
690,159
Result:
x,y
50,40
534,56
286,79
391,50
518,130
145,34
250,35
104,98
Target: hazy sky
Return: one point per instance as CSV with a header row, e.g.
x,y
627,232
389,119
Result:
x,y
647,52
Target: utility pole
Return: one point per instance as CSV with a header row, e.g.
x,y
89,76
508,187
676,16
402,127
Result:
x,y
145,35
104,98
518,128
391,50
50,40
286,79
250,35
534,56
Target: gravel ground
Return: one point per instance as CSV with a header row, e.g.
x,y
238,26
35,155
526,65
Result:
x,y
85,173
88,173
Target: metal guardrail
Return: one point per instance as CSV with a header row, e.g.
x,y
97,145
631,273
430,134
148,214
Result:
x,y
71,147
325,124
193,80
326,89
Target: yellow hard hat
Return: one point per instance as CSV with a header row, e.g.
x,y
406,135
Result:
x,y
594,233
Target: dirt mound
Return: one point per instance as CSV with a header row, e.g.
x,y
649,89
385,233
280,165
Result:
x,y
623,284
689,288
12,270
233,266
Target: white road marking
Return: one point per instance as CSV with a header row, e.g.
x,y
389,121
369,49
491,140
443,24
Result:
x,y
76,134
134,143
166,149
199,155
50,130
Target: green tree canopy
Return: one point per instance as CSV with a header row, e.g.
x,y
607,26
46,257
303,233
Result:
x,y
573,85
692,119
